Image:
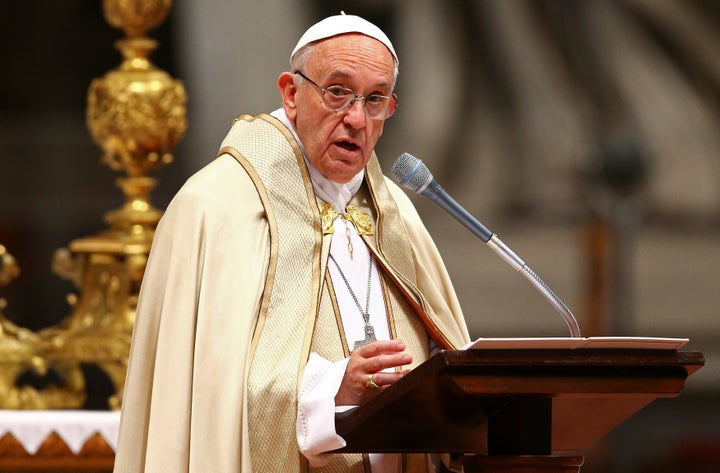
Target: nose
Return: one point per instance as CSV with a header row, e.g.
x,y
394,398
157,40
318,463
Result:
x,y
355,116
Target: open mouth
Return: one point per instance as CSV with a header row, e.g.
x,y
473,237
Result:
x,y
347,145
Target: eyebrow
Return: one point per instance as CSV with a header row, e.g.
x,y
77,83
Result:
x,y
339,75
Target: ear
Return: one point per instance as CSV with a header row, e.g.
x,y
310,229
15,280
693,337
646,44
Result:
x,y
288,91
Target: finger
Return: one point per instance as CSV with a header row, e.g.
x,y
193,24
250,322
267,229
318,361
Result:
x,y
361,366
386,379
379,355
383,362
381,346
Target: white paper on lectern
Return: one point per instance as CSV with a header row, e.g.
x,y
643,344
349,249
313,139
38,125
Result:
x,y
656,343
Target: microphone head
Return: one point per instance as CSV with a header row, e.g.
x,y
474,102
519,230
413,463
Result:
x,y
411,173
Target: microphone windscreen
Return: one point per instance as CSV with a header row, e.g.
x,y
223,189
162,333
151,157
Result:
x,y
411,173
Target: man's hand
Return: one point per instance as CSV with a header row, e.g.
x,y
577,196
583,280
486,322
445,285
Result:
x,y
364,377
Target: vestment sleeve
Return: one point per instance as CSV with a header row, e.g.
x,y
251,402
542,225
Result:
x,y
315,427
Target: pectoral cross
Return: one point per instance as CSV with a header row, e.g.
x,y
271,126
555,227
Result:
x,y
369,337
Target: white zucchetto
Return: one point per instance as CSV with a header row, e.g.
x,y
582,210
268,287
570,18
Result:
x,y
343,24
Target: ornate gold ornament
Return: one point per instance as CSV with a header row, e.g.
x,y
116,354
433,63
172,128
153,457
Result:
x,y
20,352
327,218
361,220
136,113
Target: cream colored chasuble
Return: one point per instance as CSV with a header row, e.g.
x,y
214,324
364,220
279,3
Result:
x,y
352,269
236,297
292,208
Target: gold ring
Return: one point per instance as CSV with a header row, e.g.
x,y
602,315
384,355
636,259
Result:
x,y
370,383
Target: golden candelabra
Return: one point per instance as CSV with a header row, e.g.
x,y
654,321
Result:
x,y
136,114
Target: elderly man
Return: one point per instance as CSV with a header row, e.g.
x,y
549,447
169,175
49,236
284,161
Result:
x,y
288,277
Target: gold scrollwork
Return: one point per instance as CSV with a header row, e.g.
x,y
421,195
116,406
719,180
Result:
x,y
21,352
136,114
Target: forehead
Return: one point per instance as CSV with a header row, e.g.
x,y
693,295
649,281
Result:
x,y
352,55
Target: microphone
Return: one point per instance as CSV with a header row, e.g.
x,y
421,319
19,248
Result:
x,y
411,173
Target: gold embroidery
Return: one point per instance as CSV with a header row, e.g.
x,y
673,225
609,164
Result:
x,y
327,217
360,219
352,214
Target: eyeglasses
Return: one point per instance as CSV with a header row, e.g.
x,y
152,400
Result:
x,y
337,98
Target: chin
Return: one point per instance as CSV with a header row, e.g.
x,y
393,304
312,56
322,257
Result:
x,y
342,174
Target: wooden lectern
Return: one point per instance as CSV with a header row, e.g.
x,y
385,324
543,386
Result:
x,y
515,410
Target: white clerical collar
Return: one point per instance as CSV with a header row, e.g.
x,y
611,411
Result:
x,y
332,192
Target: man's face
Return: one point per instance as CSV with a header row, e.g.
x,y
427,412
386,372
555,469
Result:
x,y
339,144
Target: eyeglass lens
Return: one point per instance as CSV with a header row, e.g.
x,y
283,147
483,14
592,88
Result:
x,y
337,99
340,98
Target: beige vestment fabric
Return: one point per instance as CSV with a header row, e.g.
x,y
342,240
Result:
x,y
225,323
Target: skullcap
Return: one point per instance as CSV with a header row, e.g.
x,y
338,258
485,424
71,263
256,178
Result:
x,y
342,24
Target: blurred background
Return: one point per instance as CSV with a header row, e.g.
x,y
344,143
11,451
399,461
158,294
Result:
x,y
585,133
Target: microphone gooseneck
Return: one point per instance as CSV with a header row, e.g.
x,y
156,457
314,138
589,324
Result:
x,y
411,173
